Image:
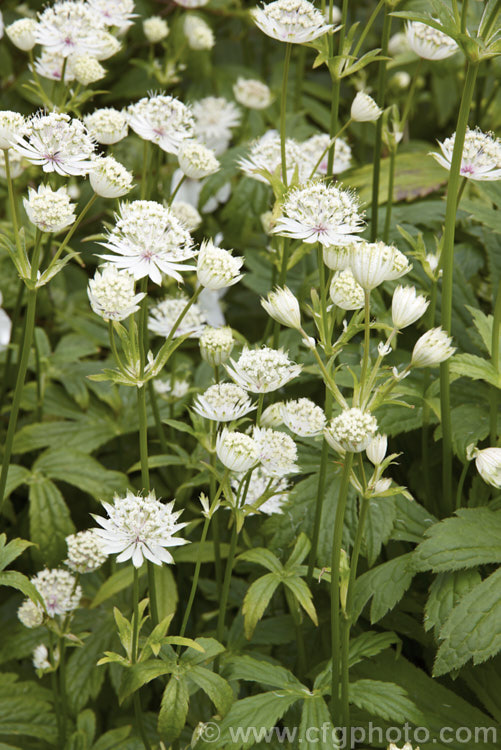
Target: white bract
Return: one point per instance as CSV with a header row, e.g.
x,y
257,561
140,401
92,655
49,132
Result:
x,y
75,28
51,64
262,370
337,258
236,451
40,657
30,614
295,21
140,527
217,268
223,402
316,152
407,306
352,430
375,262
164,315
481,157
277,452
282,306
364,108
252,93
49,210
196,160
109,178
432,348
216,344
260,484
107,125
303,417
13,126
85,552
346,292
488,463
118,13
111,293
163,120
22,33
376,450
5,327
87,69
429,43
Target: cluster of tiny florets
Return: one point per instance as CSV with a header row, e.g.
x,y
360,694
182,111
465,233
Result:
x,y
111,293
295,21
85,552
215,117
216,344
236,451
217,268
303,417
107,125
481,157
275,487
352,430
265,155
223,402
345,292
277,451
59,590
198,33
428,42
252,93
162,119
49,210
164,315
262,370
315,151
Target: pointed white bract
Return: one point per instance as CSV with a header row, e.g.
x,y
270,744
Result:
x,y
432,348
73,27
375,262
283,306
364,108
109,178
49,210
262,370
376,450
265,156
407,306
488,463
223,402
111,293
217,268
276,488
164,314
118,13
236,451
345,292
481,157
215,117
13,127
294,21
429,43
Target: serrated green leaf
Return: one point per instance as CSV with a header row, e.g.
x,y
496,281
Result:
x,y
173,709
384,699
81,470
11,551
264,557
445,592
385,585
316,728
20,582
257,599
50,521
475,368
254,670
302,595
140,674
218,690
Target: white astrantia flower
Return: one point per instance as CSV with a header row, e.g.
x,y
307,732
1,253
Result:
x,y
282,305
16,165
173,388
215,117
337,258
217,268
155,29
346,292
22,33
265,155
87,69
429,43
50,65
352,430
59,591
294,21
196,160
117,13
364,108
322,213
481,157
148,240
191,3
432,348
303,417
375,262
13,126
40,658
398,44
236,451
111,293
488,463
262,370
107,125
57,144
164,315
49,210
140,527
109,178
316,152
163,120
186,214
216,344
260,484
277,451
376,450
85,552
407,306
73,27
401,80
252,93
223,402
30,614
198,33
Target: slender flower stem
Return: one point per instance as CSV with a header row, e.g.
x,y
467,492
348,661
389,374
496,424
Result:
x,y
447,280
10,350
322,477
336,84
389,200
459,492
12,201
260,400
156,415
62,689
176,189
223,603
367,27
367,334
216,540
495,361
73,229
381,94
335,588
144,176
411,94
283,108
312,173
134,655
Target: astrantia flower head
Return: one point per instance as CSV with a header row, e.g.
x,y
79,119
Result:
x,y
407,306
49,210
315,152
198,33
30,614
303,417
22,33
375,262
196,160
87,69
111,293
275,487
50,65
149,240
376,450
295,21
155,29
345,292
109,178
85,552
59,591
163,120
488,463
223,402
282,306
215,117
186,214
163,317
429,43
72,27
107,125
216,345
352,430
364,108
217,268
12,127
140,527
118,13
337,258
236,451
432,348
262,370
481,157
265,155
252,93
320,213
277,451
58,144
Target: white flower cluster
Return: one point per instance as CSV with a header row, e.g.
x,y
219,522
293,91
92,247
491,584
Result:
x,y
315,152
407,306
216,344
109,178
163,120
429,43
295,21
155,29
364,108
75,28
30,614
236,451
252,93
432,348
262,370
375,262
22,33
265,156
111,293
85,552
87,69
352,430
198,33
283,306
223,402
346,292
196,160
488,463
215,117
49,210
59,590
303,417
277,451
186,214
165,314
13,126
217,268
481,157
107,125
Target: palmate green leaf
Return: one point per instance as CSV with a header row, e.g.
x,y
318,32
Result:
x,y
50,521
472,629
257,670
481,213
210,649
379,525
445,592
16,476
300,551
257,599
264,557
385,585
483,324
218,690
472,538
86,433
112,740
316,728
174,708
81,470
384,699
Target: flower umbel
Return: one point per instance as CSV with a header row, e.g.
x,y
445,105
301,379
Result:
x,y
277,451
481,157
236,451
111,293
282,306
223,402
49,210
352,430
59,591
85,552
162,119
262,370
303,417
295,21
432,348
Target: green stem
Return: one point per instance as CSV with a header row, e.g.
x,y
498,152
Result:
x,y
156,415
135,625
459,492
260,401
495,361
216,540
367,27
410,96
367,334
62,690
138,713
12,202
335,588
146,160
381,92
336,84
389,201
322,477
464,16
73,229
176,189
283,108
447,280
10,350
223,604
